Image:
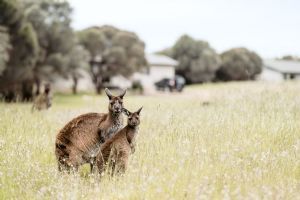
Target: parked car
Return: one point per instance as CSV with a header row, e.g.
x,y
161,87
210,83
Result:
x,y
171,84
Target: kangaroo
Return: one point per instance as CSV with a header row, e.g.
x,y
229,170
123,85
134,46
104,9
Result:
x,y
42,101
116,150
79,141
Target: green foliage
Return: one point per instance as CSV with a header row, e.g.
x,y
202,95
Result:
x,y
198,62
239,64
120,51
137,87
28,47
23,43
290,58
19,69
78,58
92,40
41,40
11,13
56,63
4,48
113,51
51,20
43,45
167,52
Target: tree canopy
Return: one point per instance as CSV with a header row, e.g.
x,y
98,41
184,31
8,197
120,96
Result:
x,y
78,58
239,64
21,46
113,51
4,48
37,43
290,58
198,62
51,20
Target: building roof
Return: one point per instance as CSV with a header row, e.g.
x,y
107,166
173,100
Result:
x,y
161,60
283,66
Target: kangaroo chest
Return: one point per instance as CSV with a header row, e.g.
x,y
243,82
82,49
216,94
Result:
x,y
106,131
109,129
112,130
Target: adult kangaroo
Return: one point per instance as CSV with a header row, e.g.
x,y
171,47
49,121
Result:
x,y
79,141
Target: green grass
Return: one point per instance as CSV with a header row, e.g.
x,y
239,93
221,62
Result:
x,y
244,144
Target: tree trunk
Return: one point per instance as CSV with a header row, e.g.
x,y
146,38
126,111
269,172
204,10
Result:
x,y
96,76
38,85
27,91
75,83
98,84
10,96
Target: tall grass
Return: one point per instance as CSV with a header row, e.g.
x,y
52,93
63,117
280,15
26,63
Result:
x,y
237,140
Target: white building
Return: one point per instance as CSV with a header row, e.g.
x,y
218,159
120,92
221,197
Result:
x,y
277,70
159,67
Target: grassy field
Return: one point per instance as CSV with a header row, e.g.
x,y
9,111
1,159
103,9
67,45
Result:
x,y
236,140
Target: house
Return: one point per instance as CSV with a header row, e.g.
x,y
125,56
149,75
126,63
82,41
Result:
x,y
159,67
280,70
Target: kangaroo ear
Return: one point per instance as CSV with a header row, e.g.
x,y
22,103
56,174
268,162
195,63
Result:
x,y
139,110
108,93
122,94
126,112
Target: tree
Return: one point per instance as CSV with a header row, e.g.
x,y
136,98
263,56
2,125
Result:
x,y
40,37
113,51
239,64
4,48
198,62
93,40
51,20
77,59
23,52
11,13
290,58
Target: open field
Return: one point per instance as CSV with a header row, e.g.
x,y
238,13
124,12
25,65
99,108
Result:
x,y
244,143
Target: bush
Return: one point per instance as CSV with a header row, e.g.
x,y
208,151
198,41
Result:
x,y
137,87
198,62
239,64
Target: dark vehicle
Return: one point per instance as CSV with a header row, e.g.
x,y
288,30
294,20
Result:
x,y
171,84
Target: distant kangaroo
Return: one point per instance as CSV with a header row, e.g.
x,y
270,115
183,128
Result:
x,y
78,142
42,101
116,150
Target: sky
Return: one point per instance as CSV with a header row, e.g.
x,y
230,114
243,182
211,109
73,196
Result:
x,y
269,27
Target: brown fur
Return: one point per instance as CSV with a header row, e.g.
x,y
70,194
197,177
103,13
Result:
x,y
116,150
42,101
78,142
